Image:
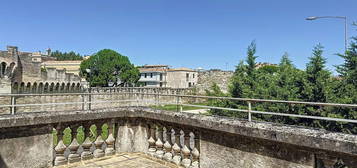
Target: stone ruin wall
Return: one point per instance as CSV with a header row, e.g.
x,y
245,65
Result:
x,y
20,68
207,78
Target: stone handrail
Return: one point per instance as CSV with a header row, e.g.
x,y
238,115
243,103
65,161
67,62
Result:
x,y
195,140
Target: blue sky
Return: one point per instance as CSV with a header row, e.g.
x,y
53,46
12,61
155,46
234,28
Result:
x,y
190,33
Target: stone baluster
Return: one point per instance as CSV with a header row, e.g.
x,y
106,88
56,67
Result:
x,y
60,159
151,140
87,144
177,147
98,152
159,144
186,153
73,147
168,144
110,140
196,151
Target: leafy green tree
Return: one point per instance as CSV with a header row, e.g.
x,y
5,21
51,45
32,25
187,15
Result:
x,y
63,56
214,90
108,66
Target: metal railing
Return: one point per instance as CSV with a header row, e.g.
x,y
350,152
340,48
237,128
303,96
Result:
x,y
154,99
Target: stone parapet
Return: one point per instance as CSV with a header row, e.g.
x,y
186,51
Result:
x,y
220,141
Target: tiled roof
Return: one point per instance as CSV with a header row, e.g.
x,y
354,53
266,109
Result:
x,y
182,69
152,70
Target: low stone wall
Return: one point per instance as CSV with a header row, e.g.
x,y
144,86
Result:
x,y
115,96
221,142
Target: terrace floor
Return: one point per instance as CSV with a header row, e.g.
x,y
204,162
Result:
x,y
126,160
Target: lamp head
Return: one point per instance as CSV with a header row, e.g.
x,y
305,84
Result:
x,y
311,18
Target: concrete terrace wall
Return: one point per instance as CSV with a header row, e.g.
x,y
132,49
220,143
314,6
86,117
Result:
x,y
224,142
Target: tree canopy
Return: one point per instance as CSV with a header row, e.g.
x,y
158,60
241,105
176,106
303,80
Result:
x,y
64,56
109,66
285,82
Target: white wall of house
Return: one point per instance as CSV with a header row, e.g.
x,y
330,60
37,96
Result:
x,y
153,79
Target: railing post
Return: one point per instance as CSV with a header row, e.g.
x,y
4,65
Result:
x,y
249,111
83,102
13,103
179,106
137,98
90,98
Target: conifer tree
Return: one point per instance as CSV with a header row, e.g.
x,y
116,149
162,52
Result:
x,y
348,70
318,77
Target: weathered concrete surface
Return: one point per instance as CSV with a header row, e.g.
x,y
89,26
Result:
x,y
224,141
26,147
235,151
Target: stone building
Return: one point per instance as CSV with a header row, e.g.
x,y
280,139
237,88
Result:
x,y
69,66
25,68
163,76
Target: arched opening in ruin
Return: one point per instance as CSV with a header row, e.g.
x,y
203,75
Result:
x,y
22,87
73,87
46,88
68,86
34,88
52,87
57,87
40,87
78,88
2,68
12,68
15,87
28,87
63,87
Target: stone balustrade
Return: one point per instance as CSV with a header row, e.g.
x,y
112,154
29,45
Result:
x,y
187,140
166,141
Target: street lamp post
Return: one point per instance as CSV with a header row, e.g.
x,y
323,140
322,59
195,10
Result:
x,y
335,17
89,71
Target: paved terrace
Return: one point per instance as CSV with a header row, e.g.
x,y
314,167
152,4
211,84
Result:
x,y
138,136
125,160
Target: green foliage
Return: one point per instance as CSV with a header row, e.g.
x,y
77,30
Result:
x,y
317,88
348,70
62,56
216,91
107,66
285,82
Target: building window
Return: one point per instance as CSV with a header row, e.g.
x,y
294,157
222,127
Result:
x,y
189,84
187,76
145,75
193,75
150,75
160,84
160,77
